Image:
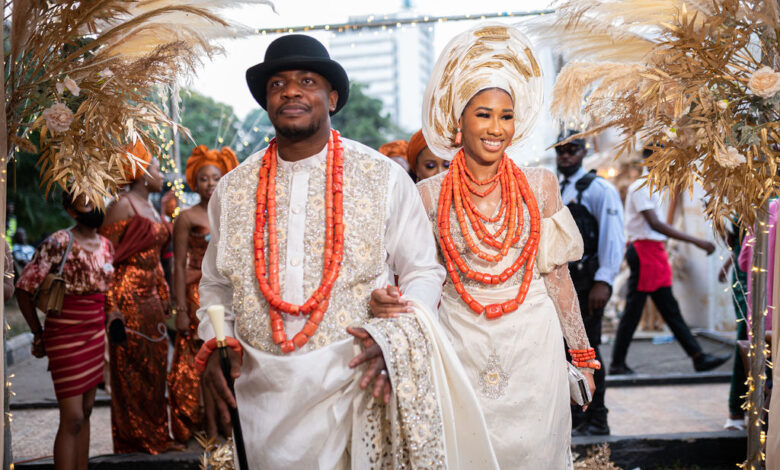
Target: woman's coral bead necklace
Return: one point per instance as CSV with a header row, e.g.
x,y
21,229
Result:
x,y
457,189
268,278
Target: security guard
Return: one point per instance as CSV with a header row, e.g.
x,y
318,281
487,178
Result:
x,y
598,211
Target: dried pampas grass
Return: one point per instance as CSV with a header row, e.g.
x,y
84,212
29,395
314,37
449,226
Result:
x,y
598,458
105,60
216,455
687,97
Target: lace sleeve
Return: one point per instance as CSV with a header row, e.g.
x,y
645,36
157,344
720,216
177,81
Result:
x,y
429,199
558,282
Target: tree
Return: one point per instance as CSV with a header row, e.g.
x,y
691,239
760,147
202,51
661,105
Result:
x,y
37,213
362,120
256,131
210,123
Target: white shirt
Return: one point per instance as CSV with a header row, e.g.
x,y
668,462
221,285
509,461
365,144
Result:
x,y
639,200
602,201
409,243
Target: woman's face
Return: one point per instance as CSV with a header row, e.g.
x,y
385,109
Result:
x,y
429,164
488,126
154,180
206,181
82,204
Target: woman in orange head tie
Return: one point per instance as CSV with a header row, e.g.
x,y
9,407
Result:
x,y
423,164
190,238
505,240
139,298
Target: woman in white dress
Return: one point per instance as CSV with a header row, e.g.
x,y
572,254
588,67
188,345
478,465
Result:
x,y
506,322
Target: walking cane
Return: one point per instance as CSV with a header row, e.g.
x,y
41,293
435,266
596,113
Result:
x,y
217,316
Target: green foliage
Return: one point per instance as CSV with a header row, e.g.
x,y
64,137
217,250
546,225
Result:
x,y
36,213
362,119
211,123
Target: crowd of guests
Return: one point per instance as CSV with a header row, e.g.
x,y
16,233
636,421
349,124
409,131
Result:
x,y
118,296
111,262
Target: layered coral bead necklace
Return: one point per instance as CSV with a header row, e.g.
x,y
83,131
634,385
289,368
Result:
x,y
265,220
457,188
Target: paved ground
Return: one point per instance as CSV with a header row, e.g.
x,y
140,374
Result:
x,y
662,354
634,410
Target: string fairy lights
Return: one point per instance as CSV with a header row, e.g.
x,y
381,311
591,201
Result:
x,y
389,23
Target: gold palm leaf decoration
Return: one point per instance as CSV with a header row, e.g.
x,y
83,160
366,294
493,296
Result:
x,y
81,77
694,79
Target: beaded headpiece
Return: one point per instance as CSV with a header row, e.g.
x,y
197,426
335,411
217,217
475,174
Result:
x,y
491,55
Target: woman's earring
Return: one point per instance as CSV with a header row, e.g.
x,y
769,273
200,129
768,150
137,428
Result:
x,y
458,138
146,182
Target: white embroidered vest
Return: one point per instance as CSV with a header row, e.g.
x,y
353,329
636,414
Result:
x,y
366,174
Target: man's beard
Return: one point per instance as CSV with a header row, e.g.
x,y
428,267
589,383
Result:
x,y
299,133
568,170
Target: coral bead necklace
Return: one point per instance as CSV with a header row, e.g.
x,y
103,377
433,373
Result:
x,y
457,189
265,217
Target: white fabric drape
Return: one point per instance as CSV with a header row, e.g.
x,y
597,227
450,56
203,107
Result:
x,y
315,399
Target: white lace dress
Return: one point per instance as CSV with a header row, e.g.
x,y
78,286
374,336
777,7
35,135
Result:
x,y
517,363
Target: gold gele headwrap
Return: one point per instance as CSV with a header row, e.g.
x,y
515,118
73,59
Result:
x,y
490,55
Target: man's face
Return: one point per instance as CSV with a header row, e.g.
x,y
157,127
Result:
x,y
569,158
299,103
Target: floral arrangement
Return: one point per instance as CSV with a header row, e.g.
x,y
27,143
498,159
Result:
x,y
694,80
80,79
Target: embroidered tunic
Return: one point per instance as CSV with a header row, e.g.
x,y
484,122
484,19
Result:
x,y
382,214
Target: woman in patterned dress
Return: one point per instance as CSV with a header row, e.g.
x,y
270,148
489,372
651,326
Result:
x,y
190,238
139,296
73,339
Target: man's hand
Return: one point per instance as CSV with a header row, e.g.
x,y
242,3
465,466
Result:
x,y
387,303
599,296
377,368
216,393
707,246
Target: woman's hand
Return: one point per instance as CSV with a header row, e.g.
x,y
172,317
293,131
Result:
x,y
37,348
387,303
591,384
182,322
167,308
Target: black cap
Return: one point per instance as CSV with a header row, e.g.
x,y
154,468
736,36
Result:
x,y
568,133
297,52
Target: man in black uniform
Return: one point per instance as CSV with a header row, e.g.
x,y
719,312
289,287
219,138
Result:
x,y
598,211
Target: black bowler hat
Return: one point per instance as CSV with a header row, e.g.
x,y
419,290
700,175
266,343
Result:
x,y
297,52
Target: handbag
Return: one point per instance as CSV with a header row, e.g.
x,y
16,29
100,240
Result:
x,y
578,386
50,294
